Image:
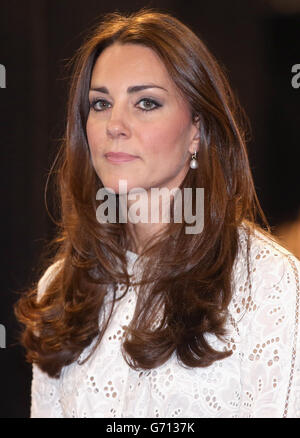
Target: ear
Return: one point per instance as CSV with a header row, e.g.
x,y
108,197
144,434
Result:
x,y
195,136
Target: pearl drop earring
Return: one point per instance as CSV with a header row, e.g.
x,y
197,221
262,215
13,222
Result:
x,y
194,162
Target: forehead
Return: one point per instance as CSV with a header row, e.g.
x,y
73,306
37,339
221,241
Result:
x,y
131,61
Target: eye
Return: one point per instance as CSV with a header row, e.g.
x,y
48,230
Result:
x,y
149,104
94,104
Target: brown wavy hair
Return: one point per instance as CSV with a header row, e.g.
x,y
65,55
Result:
x,y
187,277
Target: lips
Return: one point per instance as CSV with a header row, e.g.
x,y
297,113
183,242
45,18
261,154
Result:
x,y
119,157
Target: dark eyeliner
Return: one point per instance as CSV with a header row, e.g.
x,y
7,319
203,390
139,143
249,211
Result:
x,y
152,101
96,100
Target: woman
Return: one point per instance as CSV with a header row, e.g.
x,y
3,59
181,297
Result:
x,y
145,319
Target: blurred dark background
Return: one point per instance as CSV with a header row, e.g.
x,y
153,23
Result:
x,y
257,41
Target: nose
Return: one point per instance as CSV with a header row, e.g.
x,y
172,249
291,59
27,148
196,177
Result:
x,y
116,125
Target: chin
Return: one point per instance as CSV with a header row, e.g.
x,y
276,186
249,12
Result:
x,y
118,186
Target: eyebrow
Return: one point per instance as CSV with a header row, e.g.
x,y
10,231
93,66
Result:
x,y
133,89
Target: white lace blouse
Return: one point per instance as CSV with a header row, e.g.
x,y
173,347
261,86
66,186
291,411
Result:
x,y
260,379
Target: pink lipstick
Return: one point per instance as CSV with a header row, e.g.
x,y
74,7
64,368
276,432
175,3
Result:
x,y
119,157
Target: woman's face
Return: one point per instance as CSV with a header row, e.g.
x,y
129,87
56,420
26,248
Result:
x,y
153,124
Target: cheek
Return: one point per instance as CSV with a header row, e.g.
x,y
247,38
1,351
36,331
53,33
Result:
x,y
93,132
168,138
94,138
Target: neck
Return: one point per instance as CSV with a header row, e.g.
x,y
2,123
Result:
x,y
147,216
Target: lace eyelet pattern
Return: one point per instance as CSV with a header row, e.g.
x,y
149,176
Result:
x,y
260,379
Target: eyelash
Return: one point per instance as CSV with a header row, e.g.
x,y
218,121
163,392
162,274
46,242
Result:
x,y
94,101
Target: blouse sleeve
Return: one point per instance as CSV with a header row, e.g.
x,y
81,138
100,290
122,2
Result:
x,y
45,400
270,355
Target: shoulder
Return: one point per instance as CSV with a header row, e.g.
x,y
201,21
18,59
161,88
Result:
x,y
266,255
264,317
263,272
48,275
